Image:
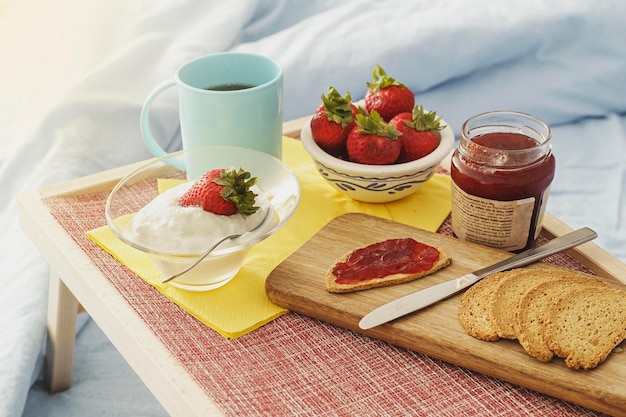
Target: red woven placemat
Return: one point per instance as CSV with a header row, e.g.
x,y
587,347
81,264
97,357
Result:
x,y
297,365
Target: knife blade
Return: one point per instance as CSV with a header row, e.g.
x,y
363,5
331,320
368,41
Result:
x,y
423,298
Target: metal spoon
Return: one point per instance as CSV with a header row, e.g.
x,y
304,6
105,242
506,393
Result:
x,y
215,245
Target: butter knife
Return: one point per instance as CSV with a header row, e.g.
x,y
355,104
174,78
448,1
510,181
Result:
x,y
423,298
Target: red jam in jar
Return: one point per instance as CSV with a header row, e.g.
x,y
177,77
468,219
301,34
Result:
x,y
501,175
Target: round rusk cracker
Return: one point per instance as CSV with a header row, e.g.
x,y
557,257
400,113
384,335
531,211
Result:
x,y
473,310
533,310
586,325
505,299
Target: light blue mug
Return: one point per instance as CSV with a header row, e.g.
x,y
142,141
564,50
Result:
x,y
225,99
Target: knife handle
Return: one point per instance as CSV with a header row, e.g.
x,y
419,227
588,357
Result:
x,y
529,256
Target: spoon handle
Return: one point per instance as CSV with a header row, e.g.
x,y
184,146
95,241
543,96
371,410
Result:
x,y
204,255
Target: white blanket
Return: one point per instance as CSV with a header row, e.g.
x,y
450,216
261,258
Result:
x,y
74,74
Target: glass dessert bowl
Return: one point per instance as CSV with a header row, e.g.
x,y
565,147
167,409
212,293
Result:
x,y
142,211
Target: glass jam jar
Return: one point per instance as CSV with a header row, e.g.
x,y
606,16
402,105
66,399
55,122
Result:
x,y
501,174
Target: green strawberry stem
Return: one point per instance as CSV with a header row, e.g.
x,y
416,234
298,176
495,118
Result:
x,y
338,108
382,80
422,121
237,184
373,124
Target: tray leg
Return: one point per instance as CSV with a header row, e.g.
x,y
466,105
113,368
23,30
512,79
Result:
x,y
62,311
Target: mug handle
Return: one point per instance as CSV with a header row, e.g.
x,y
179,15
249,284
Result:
x,y
144,125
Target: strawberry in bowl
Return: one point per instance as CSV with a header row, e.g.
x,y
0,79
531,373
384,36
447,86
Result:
x,y
222,191
387,96
373,141
332,122
418,133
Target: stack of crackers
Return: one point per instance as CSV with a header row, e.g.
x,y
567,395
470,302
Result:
x,y
550,311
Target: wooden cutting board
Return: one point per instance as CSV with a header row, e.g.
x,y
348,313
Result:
x,y
298,284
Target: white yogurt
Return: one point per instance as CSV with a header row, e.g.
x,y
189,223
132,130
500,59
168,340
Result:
x,y
164,226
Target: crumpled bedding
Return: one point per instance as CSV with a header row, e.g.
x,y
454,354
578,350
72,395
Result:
x,y
74,73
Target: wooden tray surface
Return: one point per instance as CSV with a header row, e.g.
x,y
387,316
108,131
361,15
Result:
x,y
298,284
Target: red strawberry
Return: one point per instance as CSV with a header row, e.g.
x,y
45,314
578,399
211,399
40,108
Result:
x,y
332,121
372,141
387,96
222,191
418,133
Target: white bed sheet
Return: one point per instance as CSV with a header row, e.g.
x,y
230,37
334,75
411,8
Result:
x,y
74,73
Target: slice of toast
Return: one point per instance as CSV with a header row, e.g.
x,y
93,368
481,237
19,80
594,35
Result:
x,y
374,275
585,326
533,310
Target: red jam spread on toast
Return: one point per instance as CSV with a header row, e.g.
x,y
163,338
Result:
x,y
378,260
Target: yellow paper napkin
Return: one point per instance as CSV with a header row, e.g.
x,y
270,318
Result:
x,y
242,305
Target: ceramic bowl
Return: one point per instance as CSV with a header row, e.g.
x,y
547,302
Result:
x,y
377,183
277,183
